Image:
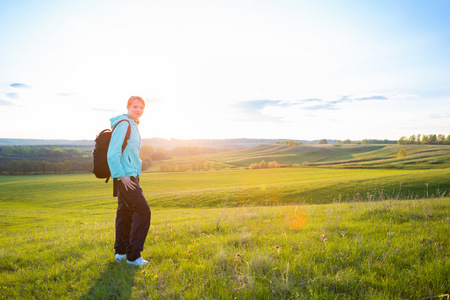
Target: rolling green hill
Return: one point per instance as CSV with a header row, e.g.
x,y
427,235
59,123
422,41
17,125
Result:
x,y
346,156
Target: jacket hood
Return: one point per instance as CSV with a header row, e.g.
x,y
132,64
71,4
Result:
x,y
119,118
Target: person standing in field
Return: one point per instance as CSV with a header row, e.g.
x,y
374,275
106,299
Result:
x,y
133,213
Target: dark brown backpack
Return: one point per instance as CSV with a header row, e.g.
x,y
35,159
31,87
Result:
x,y
100,153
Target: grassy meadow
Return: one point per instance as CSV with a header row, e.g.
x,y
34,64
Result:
x,y
327,232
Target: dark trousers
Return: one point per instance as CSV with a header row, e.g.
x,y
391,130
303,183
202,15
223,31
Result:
x,y
132,221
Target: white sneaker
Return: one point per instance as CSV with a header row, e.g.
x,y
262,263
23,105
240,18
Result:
x,y
138,262
119,257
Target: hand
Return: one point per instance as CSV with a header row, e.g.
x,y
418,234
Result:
x,y
128,183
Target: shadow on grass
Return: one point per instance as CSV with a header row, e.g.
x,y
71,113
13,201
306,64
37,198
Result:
x,y
116,282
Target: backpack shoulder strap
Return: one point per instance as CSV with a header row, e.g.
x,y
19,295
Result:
x,y
127,136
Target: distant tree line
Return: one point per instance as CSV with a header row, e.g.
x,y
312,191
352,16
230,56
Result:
x,y
424,139
54,152
366,142
263,165
28,160
148,155
43,167
42,160
375,141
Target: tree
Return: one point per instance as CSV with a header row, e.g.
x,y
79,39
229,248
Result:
x,y
263,164
322,141
291,143
401,153
432,139
402,140
419,138
273,164
45,167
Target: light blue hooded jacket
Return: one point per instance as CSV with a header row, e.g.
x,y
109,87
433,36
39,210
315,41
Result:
x,y
127,163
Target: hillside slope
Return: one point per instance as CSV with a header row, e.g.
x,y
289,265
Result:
x,y
347,156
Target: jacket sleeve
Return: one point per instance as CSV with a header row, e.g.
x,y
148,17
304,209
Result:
x,y
115,150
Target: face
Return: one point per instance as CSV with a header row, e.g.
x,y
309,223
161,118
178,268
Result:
x,y
136,109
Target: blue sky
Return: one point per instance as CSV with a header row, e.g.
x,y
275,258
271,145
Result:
x,y
226,69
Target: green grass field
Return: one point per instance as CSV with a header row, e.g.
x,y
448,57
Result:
x,y
288,233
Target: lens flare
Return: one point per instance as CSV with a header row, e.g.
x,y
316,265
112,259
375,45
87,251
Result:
x,y
296,220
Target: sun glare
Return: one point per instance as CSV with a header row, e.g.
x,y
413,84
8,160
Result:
x,y
296,220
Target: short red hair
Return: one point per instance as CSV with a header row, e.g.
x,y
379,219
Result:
x,y
133,98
